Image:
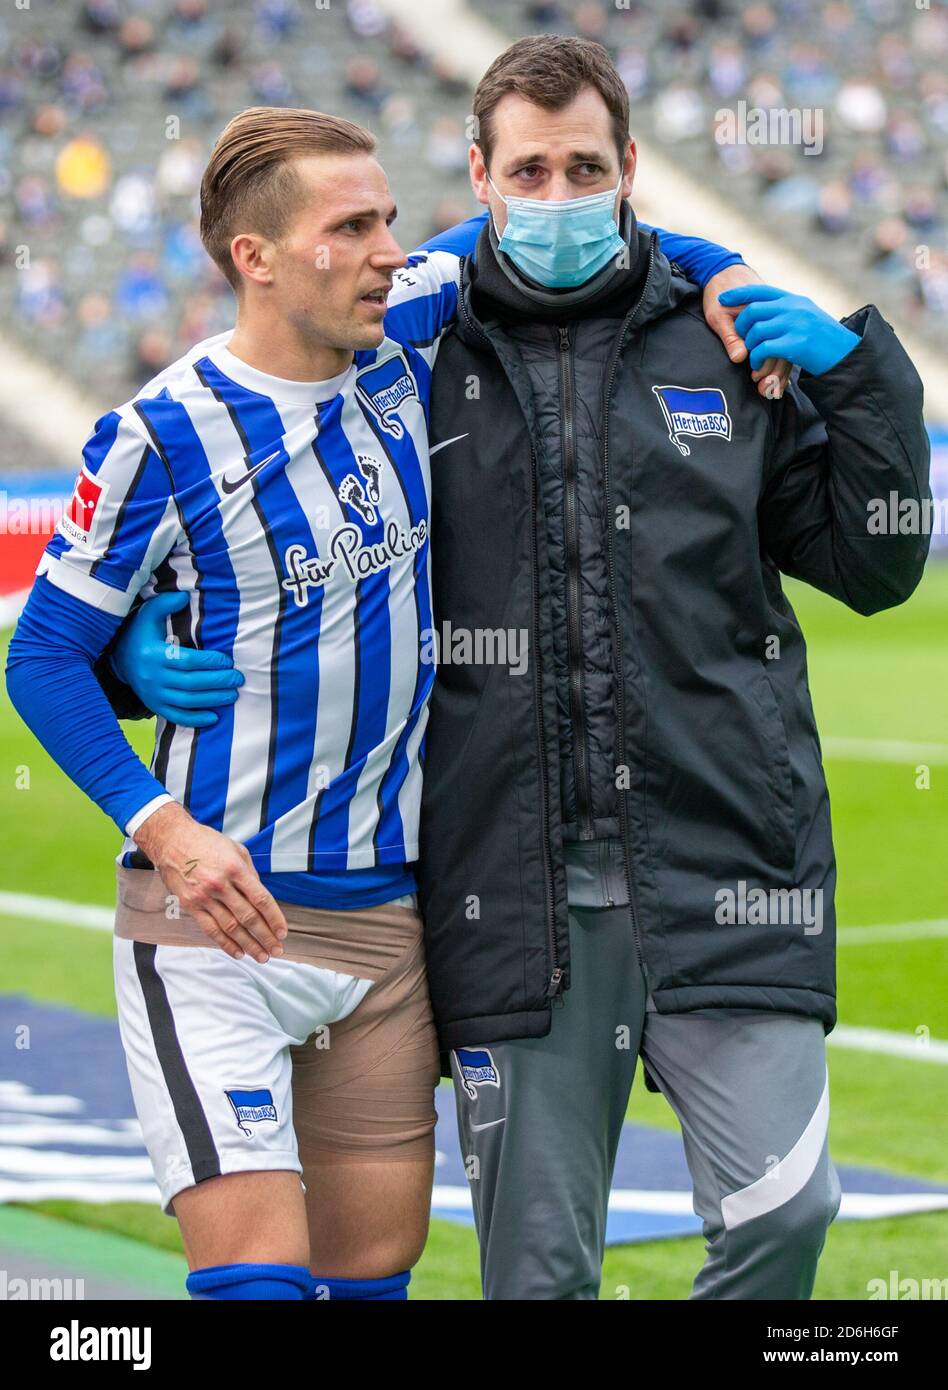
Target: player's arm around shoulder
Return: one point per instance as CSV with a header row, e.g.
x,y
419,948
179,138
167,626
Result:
x,y
848,435
423,302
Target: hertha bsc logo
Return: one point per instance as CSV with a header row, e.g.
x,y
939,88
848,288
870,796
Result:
x,y
477,1068
694,412
250,1107
383,388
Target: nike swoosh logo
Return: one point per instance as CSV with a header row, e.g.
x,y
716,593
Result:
x,y
490,1123
444,444
231,485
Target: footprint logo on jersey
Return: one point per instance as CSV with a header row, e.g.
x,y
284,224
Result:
x,y
371,470
363,494
352,493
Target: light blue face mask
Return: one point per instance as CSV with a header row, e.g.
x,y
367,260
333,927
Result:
x,y
561,245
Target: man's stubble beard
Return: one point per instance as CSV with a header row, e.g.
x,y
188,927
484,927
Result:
x,y
326,331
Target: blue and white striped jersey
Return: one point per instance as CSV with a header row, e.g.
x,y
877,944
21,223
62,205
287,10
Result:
x,y
296,516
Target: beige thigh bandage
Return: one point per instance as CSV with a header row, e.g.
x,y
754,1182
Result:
x,y
363,1087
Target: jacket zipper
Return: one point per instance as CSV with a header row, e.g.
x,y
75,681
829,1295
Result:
x,y
574,644
556,976
555,986
617,630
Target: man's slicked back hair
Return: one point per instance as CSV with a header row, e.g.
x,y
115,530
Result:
x,y
250,183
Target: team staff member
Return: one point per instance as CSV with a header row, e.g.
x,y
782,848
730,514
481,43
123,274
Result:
x,y
632,504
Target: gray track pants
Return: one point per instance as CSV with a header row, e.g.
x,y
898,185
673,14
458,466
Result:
x,y
749,1088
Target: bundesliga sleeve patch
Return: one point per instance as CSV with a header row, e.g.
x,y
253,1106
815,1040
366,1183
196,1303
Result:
x,y
693,411
86,503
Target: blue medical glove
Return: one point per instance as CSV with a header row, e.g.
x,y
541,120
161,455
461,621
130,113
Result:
x,y
180,683
778,324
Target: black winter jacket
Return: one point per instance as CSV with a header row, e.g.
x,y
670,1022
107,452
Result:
x,y
714,767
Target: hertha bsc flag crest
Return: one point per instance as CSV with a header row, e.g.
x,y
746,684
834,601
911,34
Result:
x,y
695,412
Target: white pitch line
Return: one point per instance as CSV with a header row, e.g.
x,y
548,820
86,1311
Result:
x,y
56,910
873,1205
69,914
65,913
905,1045
892,931
863,1039
884,750
25,1133
53,1188
43,1163
672,1202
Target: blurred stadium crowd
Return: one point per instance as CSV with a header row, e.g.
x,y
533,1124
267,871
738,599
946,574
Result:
x,y
108,112
874,200
108,109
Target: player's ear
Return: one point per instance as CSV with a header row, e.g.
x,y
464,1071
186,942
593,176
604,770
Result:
x,y
478,172
628,169
253,256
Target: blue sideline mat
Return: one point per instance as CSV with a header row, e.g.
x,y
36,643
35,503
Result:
x,y
68,1130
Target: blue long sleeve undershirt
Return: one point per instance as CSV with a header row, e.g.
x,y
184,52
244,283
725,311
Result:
x,y
51,684
700,260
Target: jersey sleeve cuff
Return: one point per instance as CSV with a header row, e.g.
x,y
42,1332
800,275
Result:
x,y
146,811
82,586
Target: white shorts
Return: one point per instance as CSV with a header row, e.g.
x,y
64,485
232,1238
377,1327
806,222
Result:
x,y
207,1042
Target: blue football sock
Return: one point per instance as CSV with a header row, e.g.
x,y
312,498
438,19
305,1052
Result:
x,y
375,1290
250,1282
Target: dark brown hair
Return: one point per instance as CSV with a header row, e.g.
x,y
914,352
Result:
x,y
250,183
551,70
